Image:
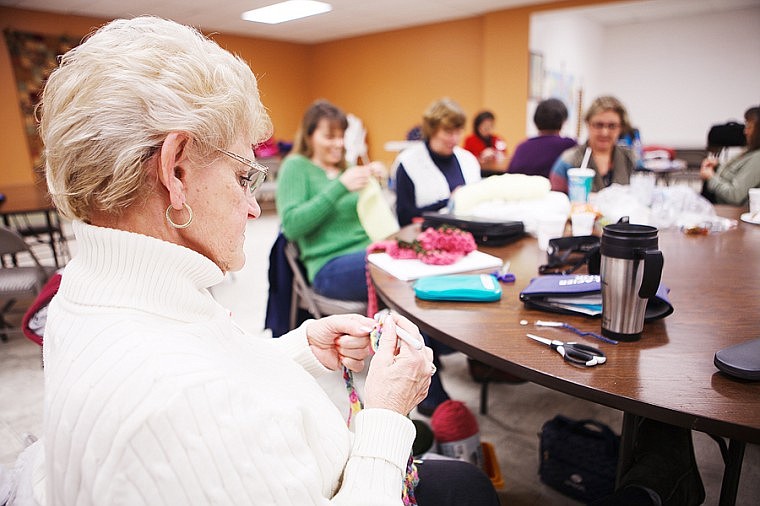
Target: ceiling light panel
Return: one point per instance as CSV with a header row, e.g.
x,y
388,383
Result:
x,y
286,11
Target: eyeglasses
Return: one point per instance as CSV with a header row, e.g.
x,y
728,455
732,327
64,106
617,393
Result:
x,y
598,125
255,177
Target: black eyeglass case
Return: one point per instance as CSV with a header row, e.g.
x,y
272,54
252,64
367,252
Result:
x,y
741,360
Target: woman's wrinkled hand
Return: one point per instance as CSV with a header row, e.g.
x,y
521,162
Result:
x,y
340,340
399,376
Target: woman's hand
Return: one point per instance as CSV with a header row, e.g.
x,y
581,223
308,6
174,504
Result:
x,y
340,340
355,178
488,155
399,376
707,169
378,170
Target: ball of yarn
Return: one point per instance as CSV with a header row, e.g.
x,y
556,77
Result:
x,y
423,442
453,421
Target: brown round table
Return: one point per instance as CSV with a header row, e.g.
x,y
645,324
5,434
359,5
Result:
x,y
668,375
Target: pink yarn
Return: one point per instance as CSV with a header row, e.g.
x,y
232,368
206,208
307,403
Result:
x,y
435,246
453,421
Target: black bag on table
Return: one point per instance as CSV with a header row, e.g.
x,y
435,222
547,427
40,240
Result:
x,y
578,458
485,233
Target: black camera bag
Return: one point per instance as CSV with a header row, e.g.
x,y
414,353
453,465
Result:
x,y
578,458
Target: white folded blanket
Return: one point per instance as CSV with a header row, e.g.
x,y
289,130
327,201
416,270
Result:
x,y
505,187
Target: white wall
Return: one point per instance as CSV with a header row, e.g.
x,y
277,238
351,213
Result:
x,y
677,76
572,49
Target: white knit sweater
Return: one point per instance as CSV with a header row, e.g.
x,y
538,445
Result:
x,y
154,396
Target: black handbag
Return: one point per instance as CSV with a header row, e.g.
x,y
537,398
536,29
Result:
x,y
578,458
485,233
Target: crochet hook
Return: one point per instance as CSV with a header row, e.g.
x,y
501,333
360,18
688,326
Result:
x,y
405,336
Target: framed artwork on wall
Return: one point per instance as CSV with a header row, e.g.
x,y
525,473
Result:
x,y
535,75
33,58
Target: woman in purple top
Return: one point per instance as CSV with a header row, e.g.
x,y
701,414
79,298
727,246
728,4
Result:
x,y
535,156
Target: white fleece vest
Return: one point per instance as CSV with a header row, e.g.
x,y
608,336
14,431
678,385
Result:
x,y
430,185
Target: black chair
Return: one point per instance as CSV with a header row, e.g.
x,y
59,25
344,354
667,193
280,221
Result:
x,y
21,276
44,229
724,136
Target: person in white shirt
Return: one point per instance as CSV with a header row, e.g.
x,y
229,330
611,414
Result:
x,y
152,394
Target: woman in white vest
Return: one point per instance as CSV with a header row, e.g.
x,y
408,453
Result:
x,y
427,173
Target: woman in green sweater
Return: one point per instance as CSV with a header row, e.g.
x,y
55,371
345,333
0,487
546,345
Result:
x,y
316,200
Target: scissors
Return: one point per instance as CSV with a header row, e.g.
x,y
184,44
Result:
x,y
575,353
503,274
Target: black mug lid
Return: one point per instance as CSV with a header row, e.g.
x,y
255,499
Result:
x,y
622,239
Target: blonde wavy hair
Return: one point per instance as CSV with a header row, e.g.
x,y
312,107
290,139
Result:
x,y
108,107
443,113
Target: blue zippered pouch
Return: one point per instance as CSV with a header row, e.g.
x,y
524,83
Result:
x,y
459,287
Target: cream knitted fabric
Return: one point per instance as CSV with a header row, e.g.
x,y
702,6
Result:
x,y
154,396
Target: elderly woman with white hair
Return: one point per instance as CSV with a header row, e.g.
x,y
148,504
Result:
x,y
153,394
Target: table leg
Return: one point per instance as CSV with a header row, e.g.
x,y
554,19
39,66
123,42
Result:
x,y
730,485
627,440
51,234
7,223
484,398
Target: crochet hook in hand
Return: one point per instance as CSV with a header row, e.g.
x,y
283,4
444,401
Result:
x,y
405,336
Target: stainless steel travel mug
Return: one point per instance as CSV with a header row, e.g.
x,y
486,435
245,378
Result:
x,y
630,272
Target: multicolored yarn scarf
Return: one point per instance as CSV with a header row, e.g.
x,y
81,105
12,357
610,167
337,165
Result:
x,y
412,477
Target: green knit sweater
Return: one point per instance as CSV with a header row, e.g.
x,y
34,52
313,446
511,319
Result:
x,y
318,213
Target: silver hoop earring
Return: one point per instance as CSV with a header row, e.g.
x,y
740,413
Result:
x,y
182,225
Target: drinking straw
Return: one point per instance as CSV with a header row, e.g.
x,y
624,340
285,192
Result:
x,y
586,157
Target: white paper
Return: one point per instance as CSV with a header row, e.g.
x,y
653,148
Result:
x,y
583,299
406,270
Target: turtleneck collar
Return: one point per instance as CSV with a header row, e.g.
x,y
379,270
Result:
x,y
437,157
115,268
